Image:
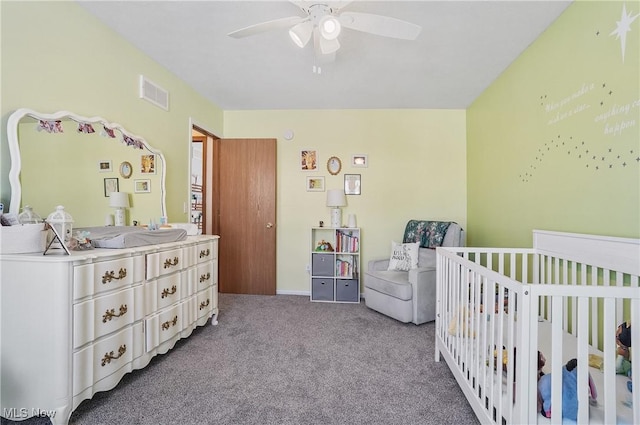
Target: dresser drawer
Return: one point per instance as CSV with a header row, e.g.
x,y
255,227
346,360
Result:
x,y
206,251
94,278
205,302
101,359
163,326
102,315
165,262
205,276
164,291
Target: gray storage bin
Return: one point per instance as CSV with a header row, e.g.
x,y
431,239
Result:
x,y
322,289
347,290
322,265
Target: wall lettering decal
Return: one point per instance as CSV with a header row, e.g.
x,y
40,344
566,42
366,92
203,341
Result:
x,y
596,121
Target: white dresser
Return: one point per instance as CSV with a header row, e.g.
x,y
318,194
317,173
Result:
x,y
75,325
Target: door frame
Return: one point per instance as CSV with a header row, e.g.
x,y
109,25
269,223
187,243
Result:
x,y
211,222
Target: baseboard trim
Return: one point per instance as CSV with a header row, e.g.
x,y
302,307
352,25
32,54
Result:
x,y
304,293
288,292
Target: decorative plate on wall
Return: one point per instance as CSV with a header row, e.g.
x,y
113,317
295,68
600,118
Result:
x,y
334,165
126,169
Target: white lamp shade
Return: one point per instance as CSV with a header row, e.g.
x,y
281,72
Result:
x,y
119,200
301,33
329,27
336,198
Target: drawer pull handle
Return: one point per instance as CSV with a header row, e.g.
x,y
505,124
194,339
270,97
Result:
x,y
166,291
109,276
168,263
205,253
204,277
109,314
204,304
109,356
166,325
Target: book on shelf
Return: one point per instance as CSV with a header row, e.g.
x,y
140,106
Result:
x,y
347,241
344,268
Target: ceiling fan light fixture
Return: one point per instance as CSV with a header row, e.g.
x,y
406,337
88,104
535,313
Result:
x,y
329,27
301,34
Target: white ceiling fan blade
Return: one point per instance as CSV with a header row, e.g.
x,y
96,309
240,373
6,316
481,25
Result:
x,y
380,25
267,26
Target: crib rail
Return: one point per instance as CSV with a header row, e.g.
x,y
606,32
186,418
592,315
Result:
x,y
493,303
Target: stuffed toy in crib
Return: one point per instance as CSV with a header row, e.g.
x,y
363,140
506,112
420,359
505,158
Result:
x,y
623,343
569,391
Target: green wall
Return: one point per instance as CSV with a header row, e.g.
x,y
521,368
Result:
x,y
522,164
56,56
416,169
554,143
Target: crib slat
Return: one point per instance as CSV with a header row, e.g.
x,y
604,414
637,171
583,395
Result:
x,y
556,360
498,324
619,302
526,396
635,354
609,322
574,281
583,359
594,309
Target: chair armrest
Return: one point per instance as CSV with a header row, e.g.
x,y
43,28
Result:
x,y
420,276
378,265
423,284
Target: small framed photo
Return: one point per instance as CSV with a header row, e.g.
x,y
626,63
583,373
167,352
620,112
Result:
x,y
360,160
111,185
104,166
308,160
142,186
148,164
352,184
315,184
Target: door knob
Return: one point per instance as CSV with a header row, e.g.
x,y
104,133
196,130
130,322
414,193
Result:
x,y
269,225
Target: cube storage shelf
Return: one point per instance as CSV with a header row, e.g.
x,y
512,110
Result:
x,y
335,264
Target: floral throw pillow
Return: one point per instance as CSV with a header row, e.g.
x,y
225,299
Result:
x,y
404,256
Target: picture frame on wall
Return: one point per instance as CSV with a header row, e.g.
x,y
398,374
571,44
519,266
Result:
x,y
148,164
111,185
360,160
352,184
308,160
315,183
104,166
142,186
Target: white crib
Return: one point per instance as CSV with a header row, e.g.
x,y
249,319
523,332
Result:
x,y
564,297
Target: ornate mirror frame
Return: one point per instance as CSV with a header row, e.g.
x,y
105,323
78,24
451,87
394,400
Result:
x,y
16,159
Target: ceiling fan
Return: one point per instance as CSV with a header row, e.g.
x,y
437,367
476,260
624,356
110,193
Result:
x,y
324,21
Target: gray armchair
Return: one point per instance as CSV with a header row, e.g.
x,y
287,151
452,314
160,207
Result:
x,y
410,296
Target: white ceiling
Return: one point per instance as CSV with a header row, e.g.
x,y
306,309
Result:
x,y
463,47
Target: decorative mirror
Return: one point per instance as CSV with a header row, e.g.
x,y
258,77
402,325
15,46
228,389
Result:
x,y
71,160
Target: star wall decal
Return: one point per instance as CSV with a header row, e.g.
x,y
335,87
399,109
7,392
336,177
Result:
x,y
624,26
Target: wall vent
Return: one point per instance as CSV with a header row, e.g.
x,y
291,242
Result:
x,y
154,93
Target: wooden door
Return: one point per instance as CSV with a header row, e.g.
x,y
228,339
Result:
x,y
247,216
